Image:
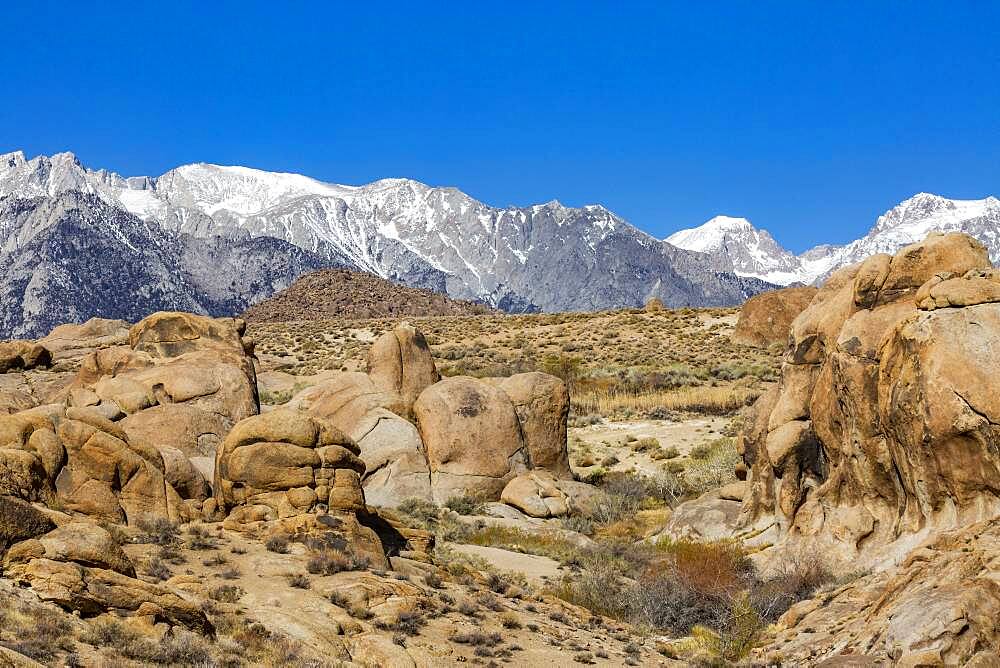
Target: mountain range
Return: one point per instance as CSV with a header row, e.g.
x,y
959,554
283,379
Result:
x,y
752,252
170,237
77,242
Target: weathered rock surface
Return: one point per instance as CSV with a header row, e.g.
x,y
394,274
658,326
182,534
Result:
x,y
542,405
400,364
540,494
284,462
885,424
395,462
22,355
19,521
939,607
766,319
472,436
71,342
92,591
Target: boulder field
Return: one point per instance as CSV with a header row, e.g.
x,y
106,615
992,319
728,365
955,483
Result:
x,y
129,426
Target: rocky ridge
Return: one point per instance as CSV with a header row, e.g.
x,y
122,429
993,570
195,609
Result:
x,y
352,295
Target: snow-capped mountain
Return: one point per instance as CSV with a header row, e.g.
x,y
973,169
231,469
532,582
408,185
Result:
x,y
547,256
754,253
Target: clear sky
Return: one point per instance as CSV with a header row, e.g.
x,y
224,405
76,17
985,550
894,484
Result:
x,y
810,118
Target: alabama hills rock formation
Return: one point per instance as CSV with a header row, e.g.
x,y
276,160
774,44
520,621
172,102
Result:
x,y
160,421
879,448
766,319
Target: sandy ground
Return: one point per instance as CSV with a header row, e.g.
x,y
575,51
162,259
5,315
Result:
x,y
608,438
536,569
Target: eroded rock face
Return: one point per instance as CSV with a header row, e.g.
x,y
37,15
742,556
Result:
x,y
23,355
540,494
541,402
472,436
885,424
283,463
939,607
70,343
395,462
400,364
766,319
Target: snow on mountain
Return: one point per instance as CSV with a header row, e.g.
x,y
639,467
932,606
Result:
x,y
753,252
545,256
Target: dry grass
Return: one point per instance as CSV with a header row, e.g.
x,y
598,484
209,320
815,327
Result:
x,y
718,400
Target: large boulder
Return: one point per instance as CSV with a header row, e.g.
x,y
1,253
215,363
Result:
x,y
541,402
540,494
109,478
472,436
766,319
176,390
69,343
400,364
395,462
884,427
94,590
82,542
939,607
22,355
284,463
19,521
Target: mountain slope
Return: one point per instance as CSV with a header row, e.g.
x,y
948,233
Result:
x,y
72,256
751,252
547,256
348,294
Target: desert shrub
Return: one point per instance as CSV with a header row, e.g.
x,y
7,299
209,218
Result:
x,y
579,524
299,581
37,632
226,593
277,543
465,505
156,530
423,512
713,466
157,570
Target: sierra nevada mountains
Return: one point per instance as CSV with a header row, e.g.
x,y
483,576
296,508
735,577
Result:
x,y
77,242
215,240
754,253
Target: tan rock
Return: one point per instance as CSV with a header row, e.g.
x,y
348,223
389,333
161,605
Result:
x,y
19,521
73,342
280,459
395,463
766,319
82,542
884,425
472,436
21,355
400,364
540,494
542,405
95,590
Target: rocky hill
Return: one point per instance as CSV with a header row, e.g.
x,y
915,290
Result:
x,y
352,295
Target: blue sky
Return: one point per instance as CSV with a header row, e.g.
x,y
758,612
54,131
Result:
x,y
809,118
